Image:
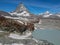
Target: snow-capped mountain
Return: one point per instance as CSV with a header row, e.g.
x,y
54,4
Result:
x,y
49,15
46,14
20,11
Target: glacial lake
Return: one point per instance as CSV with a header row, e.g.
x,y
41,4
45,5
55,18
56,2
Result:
x,y
51,35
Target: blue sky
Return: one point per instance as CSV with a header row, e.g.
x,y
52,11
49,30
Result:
x,y
34,6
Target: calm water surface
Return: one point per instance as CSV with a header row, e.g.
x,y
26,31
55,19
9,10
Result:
x,y
51,35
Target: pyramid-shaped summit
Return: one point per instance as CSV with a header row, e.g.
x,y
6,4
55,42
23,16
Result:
x,y
20,8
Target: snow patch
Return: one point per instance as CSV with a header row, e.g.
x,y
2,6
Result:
x,y
35,27
40,22
20,21
17,36
17,18
24,13
17,44
7,16
11,17
35,40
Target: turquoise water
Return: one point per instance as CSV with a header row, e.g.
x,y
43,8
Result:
x,y
49,35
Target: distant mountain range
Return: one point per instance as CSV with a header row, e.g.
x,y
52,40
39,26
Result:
x,y
49,15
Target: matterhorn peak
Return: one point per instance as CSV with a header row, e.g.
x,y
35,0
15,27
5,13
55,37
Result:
x,y
20,8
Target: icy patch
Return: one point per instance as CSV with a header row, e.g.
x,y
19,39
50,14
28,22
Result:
x,y
17,36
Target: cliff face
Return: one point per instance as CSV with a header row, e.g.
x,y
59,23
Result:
x,y
11,25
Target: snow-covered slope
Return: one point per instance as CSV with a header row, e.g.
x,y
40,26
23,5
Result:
x,y
24,13
16,36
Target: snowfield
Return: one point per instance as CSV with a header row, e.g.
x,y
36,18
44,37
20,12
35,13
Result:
x,y
17,36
